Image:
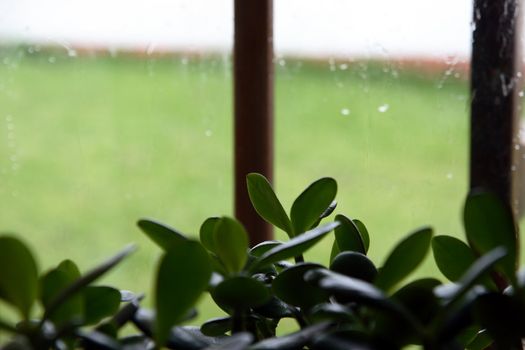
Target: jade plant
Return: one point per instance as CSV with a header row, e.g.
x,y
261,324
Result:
x,y
351,302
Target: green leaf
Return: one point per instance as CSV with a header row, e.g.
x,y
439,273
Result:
x,y
266,203
351,290
291,287
216,327
311,204
18,275
296,340
335,250
363,232
241,292
473,275
348,236
100,302
489,223
294,246
480,342
354,264
164,236
87,279
183,274
418,297
55,282
404,258
206,233
453,257
231,243
503,317
238,341
263,247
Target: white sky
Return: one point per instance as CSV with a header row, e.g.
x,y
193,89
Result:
x,y
312,27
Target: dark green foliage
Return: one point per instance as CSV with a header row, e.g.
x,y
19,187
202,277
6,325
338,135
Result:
x,y
404,258
350,305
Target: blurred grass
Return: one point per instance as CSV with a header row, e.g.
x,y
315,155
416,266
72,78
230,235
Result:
x,y
88,145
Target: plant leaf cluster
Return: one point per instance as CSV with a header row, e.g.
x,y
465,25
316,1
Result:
x,y
351,302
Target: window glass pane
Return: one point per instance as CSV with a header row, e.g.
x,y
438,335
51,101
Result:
x,y
109,112
378,99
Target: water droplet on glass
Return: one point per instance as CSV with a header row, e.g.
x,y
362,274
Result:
x,y
521,94
184,60
513,168
282,62
208,133
52,59
450,176
343,66
517,147
383,108
72,53
345,111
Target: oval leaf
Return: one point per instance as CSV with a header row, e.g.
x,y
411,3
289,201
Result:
x,y
53,283
354,264
404,259
18,275
182,276
266,203
291,287
217,326
231,243
241,292
100,302
363,232
294,246
348,236
312,203
490,224
453,257
206,233
163,235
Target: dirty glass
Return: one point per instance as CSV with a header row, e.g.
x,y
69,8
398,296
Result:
x,y
109,112
115,110
377,99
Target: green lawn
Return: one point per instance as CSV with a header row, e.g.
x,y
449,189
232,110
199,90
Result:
x,y
88,146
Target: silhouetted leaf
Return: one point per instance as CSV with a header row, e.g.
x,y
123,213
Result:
x,y
238,341
231,243
489,223
503,317
97,340
311,203
266,203
241,292
348,236
294,246
291,287
163,235
453,257
183,274
293,341
348,289
100,302
263,247
354,264
206,233
18,275
363,232
55,282
87,279
474,274
404,258
216,327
